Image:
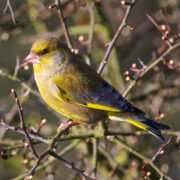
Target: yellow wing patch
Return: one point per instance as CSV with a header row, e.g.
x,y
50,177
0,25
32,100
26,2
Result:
x,y
127,117
63,96
137,123
102,107
66,98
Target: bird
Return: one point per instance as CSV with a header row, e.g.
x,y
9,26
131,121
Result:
x,y
75,90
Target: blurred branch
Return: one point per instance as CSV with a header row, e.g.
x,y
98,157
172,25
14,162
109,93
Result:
x,y
149,67
18,12
95,157
48,162
112,162
137,154
23,84
114,39
91,29
8,6
13,111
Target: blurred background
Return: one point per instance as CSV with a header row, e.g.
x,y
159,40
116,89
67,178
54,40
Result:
x,y
157,93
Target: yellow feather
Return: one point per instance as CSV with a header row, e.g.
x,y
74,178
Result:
x,y
127,118
102,107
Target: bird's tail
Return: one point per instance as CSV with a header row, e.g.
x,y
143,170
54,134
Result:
x,y
142,122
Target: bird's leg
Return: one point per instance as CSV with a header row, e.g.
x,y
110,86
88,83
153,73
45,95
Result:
x,y
67,125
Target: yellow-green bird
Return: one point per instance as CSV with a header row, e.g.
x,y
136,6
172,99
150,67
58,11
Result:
x,y
74,89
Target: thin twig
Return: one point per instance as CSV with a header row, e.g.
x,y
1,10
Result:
x,y
91,28
40,139
159,28
41,157
94,135
33,136
146,160
23,125
47,163
23,84
149,67
50,151
95,156
114,39
8,6
16,67
70,165
112,161
63,22
160,150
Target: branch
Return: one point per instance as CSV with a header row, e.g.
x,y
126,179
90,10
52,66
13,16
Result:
x,y
160,150
95,156
94,135
8,6
51,151
149,67
91,29
23,84
33,136
137,154
70,165
112,161
23,125
38,139
50,161
62,19
114,39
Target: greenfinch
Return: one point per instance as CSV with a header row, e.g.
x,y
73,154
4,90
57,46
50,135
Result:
x,y
75,90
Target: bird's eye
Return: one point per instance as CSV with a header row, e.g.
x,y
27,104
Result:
x,y
44,51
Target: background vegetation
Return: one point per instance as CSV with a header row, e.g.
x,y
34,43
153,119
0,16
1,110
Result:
x,y
153,86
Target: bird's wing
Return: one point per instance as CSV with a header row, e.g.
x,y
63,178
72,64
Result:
x,y
104,97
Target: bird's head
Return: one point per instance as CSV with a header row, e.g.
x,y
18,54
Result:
x,y
47,55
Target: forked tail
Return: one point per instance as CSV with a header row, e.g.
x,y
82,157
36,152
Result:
x,y
142,122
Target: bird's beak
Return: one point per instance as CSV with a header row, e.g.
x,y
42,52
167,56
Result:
x,y
32,58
